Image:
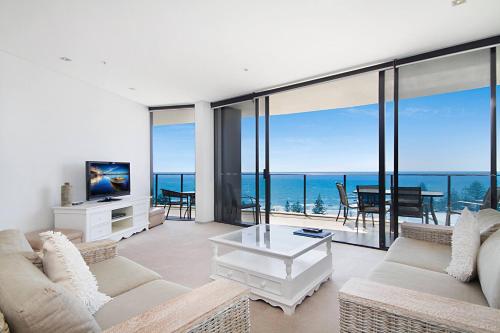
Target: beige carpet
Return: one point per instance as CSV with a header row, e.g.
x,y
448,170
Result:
x,y
180,252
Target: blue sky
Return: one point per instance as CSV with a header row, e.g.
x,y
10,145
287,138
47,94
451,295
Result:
x,y
447,132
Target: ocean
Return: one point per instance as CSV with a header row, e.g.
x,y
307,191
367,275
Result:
x,y
289,187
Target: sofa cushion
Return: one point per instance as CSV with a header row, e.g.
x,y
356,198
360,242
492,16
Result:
x,y
36,242
422,254
119,274
465,243
64,265
488,268
427,281
4,327
31,302
489,222
13,241
137,301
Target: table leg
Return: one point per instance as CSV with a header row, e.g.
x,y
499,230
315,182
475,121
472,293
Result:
x,y
431,206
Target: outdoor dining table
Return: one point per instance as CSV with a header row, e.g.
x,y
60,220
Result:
x,y
426,194
190,195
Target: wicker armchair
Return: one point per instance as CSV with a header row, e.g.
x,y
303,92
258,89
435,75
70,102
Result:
x,y
220,306
368,306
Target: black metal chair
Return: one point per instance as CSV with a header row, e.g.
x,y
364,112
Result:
x,y
174,198
241,202
344,202
368,202
410,202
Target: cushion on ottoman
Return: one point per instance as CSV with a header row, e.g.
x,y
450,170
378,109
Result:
x,y
75,236
156,216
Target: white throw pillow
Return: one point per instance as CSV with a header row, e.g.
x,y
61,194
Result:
x,y
489,222
63,264
465,243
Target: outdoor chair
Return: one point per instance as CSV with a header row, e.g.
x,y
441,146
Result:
x,y
239,202
174,198
344,202
410,202
368,202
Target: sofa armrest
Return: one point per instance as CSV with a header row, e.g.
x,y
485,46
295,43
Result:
x,y
431,233
220,306
94,252
367,306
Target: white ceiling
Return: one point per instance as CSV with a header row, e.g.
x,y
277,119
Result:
x,y
185,51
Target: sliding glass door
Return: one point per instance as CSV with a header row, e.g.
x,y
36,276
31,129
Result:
x,y
444,137
237,181
323,146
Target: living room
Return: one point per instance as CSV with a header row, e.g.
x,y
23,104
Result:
x,y
273,166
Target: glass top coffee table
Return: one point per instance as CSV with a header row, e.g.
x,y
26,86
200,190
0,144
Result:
x,y
279,267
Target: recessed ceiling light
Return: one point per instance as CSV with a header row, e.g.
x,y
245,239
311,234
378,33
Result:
x,y
104,62
65,59
457,2
245,69
131,88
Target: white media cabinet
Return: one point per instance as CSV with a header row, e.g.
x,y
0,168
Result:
x,y
99,220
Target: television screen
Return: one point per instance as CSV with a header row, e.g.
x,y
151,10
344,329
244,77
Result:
x,y
107,179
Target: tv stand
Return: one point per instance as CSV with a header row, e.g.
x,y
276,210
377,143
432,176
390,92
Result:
x,y
109,199
105,220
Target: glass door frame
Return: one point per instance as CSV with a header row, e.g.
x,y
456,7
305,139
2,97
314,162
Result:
x,y
493,132
491,43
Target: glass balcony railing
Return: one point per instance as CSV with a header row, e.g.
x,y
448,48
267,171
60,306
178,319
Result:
x,y
316,193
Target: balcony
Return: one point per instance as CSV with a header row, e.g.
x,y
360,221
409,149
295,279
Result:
x,y
312,199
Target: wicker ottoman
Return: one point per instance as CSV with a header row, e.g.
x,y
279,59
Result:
x,y
75,236
156,216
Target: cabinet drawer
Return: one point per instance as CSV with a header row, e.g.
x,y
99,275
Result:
x,y
100,231
97,219
230,273
264,284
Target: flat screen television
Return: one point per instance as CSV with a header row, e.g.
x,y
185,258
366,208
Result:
x,y
107,180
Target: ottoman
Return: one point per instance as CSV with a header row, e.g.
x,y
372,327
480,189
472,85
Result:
x,y
156,216
75,236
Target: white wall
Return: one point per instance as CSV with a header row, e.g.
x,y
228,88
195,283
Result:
x,y
204,138
50,124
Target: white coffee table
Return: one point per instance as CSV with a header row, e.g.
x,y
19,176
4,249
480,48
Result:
x,y
278,266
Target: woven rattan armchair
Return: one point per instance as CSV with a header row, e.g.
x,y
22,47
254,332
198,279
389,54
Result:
x,y
368,306
219,306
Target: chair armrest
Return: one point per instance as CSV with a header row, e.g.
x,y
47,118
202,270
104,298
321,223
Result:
x,y
431,233
94,252
220,306
367,306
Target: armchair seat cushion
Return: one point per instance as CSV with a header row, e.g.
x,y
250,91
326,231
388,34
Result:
x,y
118,275
137,301
432,256
427,281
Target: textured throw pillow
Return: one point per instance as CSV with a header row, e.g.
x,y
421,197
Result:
x,y
63,264
489,222
465,243
4,328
